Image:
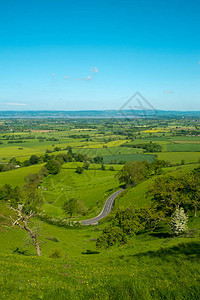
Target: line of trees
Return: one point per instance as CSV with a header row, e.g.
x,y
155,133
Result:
x,y
134,172
148,147
61,158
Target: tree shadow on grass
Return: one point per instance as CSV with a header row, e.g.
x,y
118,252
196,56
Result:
x,y
190,251
110,190
21,251
90,252
161,234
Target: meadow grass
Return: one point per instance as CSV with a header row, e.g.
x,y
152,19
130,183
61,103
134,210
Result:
x,y
129,157
177,157
92,187
149,267
16,176
92,152
137,196
183,147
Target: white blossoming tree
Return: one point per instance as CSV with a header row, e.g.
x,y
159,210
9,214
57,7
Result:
x,y
179,221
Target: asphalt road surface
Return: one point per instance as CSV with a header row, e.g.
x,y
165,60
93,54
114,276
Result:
x,y
106,210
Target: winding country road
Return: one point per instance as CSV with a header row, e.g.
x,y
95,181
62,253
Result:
x,y
105,211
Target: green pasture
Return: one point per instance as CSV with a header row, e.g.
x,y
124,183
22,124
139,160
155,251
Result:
x,y
114,143
148,267
137,195
16,177
177,157
92,187
92,152
128,157
151,266
23,151
181,147
185,139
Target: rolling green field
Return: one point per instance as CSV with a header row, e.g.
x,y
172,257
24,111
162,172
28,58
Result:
x,y
92,187
152,265
137,196
176,157
128,157
182,147
16,177
146,268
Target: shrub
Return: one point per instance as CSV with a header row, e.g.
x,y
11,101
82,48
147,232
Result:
x,y
55,253
52,238
111,236
79,170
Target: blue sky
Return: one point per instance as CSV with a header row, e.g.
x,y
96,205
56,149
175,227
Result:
x,y
80,55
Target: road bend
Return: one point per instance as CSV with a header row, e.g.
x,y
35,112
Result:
x,y
105,211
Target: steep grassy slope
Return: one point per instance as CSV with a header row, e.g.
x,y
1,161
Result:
x,y
147,268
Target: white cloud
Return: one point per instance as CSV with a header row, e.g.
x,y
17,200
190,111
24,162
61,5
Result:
x,y
66,77
86,79
14,103
94,70
168,92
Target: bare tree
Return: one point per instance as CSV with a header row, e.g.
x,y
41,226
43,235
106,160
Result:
x,y
22,222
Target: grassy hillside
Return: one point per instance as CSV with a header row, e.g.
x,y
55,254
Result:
x,y
16,177
147,268
92,187
177,157
137,197
152,265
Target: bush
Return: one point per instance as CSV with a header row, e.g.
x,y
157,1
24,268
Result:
x,y
55,253
52,238
74,206
111,236
79,170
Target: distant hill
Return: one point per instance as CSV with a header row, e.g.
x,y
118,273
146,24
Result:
x,y
99,114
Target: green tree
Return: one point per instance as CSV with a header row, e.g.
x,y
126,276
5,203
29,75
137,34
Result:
x,y
86,165
53,166
191,189
74,206
70,206
98,160
127,219
166,192
79,170
34,159
133,172
103,167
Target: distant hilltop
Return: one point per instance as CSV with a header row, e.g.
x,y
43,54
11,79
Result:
x,y
99,114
